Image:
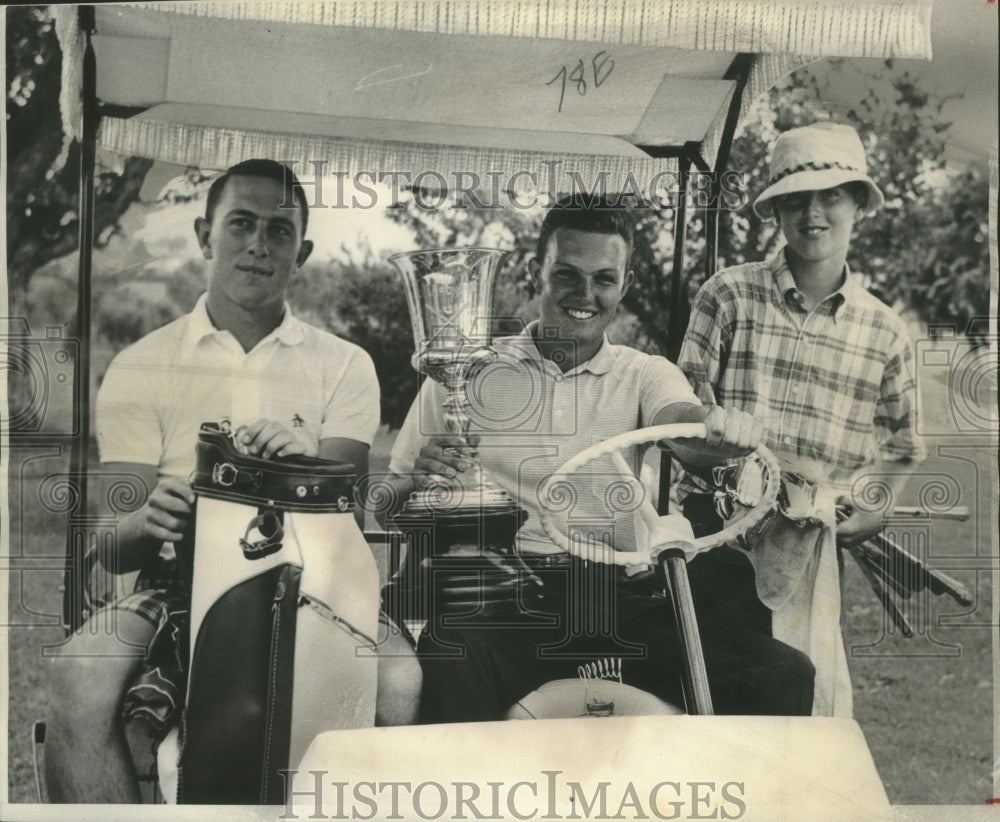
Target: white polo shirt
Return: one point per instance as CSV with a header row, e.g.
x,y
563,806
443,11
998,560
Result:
x,y
531,418
158,391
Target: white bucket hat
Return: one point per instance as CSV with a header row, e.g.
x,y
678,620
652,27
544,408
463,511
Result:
x,y
812,158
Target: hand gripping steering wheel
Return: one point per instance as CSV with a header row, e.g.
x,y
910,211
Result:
x,y
553,487
673,554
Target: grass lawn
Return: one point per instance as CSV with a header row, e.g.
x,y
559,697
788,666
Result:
x,y
925,704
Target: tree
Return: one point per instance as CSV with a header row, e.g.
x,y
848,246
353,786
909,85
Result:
x,y
927,249
364,302
43,199
945,277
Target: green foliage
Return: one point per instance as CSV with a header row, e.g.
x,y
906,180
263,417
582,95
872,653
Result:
x,y
927,249
363,301
136,306
949,280
43,197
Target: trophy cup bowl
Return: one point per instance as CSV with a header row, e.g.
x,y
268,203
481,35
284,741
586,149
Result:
x,y
449,293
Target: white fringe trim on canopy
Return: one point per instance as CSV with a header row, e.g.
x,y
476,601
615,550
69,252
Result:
x,y
843,28
70,93
776,30
217,148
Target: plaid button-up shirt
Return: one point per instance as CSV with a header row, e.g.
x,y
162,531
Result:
x,y
833,386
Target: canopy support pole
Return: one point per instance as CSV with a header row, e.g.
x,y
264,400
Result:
x,y
74,578
739,70
675,333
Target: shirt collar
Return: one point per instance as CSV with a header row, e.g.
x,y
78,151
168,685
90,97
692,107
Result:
x,y
289,331
199,323
784,283
523,346
200,326
848,294
782,277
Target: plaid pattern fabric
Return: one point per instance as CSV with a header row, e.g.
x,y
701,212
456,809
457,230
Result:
x,y
162,597
833,387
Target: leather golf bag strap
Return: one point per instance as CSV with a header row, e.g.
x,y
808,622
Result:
x,y
284,612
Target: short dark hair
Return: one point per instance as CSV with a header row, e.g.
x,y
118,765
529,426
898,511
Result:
x,y
859,191
272,170
579,212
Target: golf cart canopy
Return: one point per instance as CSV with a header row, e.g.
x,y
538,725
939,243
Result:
x,y
549,95
524,89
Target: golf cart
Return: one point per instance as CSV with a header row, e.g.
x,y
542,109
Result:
x,y
543,96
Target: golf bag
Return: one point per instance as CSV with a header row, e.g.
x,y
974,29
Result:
x,y
284,612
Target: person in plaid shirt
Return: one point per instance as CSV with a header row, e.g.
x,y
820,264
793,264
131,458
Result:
x,y
827,369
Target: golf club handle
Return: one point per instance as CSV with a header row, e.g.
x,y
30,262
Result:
x,y
959,512
694,675
938,582
894,555
875,559
884,596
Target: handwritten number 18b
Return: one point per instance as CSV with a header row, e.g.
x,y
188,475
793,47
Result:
x,y
602,66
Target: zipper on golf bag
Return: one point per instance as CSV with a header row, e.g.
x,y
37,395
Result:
x,y
279,594
231,761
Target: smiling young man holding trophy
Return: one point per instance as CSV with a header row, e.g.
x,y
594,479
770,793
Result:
x,y
550,392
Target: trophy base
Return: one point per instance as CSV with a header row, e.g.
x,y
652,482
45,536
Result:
x,y
443,499
459,560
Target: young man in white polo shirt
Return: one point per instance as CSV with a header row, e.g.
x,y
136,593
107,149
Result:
x,y
239,355
557,388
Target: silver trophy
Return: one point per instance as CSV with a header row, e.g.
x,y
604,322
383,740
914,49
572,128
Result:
x,y
467,532
449,292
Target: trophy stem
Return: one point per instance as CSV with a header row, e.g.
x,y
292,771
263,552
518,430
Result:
x,y
456,403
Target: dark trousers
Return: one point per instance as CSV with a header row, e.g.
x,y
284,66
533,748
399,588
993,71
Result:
x,y
475,668
722,580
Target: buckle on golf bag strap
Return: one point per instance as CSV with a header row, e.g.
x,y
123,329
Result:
x,y
268,525
226,475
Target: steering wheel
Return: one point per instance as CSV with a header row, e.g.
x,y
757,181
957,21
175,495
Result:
x,y
673,554
770,474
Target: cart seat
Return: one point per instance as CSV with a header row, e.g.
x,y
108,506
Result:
x,y
568,698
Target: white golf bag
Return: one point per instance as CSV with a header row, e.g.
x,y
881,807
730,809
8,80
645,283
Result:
x,y
284,615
